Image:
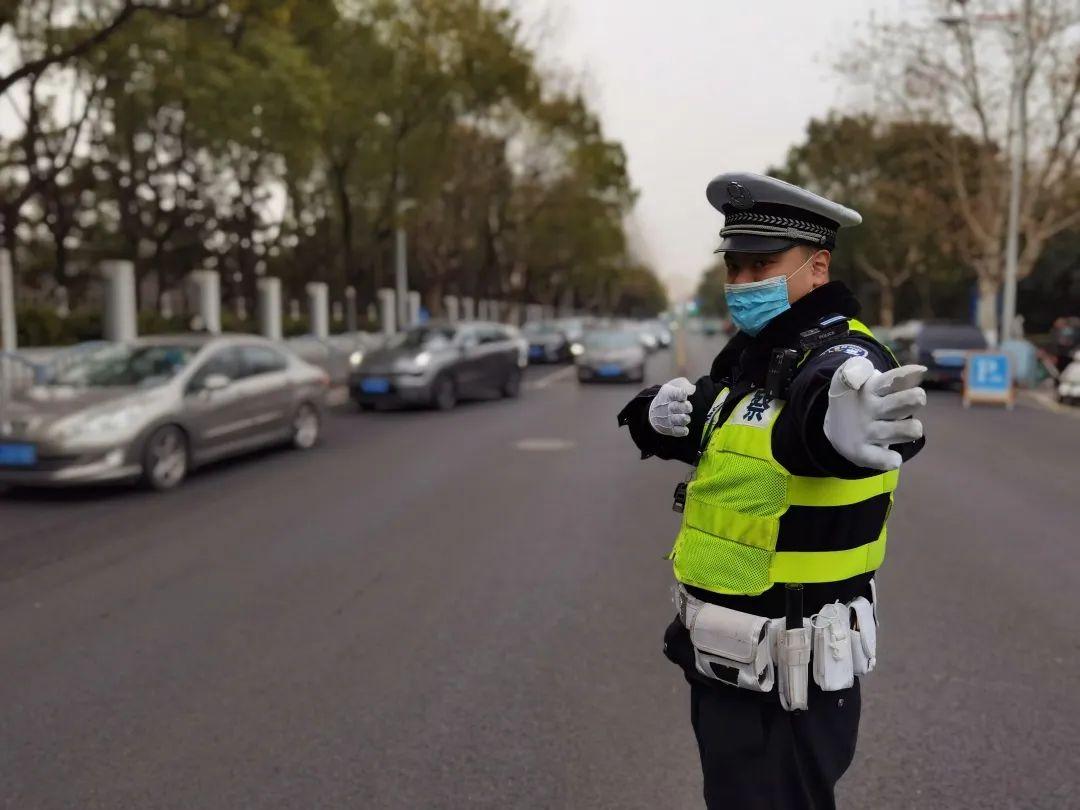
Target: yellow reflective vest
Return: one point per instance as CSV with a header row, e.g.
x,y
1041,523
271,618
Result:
x,y
731,540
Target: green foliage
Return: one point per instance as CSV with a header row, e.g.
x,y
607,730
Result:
x,y
710,291
292,137
40,326
905,257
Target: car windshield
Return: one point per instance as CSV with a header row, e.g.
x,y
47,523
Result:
x,y
424,337
949,336
611,340
124,365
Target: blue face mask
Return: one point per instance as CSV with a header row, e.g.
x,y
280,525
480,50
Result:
x,y
754,304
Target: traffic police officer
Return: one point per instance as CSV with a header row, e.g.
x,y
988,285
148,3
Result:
x,y
795,437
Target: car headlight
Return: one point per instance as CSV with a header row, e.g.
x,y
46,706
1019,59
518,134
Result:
x,y
356,358
577,349
422,360
98,426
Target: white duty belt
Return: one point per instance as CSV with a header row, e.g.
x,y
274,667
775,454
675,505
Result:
x,y
754,652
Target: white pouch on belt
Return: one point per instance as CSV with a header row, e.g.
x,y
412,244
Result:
x,y
863,636
732,647
832,659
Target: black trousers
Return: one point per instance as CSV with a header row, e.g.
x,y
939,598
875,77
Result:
x,y
755,755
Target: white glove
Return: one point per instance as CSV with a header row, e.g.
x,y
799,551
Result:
x,y
669,412
868,411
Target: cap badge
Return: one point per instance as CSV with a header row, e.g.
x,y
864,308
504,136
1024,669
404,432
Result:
x,y
740,196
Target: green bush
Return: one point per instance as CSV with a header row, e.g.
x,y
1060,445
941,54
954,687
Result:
x,y
41,326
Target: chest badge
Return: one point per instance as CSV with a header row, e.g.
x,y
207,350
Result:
x,y
756,411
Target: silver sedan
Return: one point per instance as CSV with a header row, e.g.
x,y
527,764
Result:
x,y
610,354
155,408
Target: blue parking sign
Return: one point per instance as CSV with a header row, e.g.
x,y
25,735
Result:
x,y
987,378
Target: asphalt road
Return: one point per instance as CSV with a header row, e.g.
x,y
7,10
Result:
x,y
465,610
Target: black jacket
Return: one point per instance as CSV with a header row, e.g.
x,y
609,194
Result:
x,y
799,441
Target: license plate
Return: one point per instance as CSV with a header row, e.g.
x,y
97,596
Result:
x,y
18,455
609,370
375,385
536,351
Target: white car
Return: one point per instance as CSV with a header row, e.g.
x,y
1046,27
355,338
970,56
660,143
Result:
x,y
1069,385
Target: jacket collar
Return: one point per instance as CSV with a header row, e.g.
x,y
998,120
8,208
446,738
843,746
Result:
x,y
751,354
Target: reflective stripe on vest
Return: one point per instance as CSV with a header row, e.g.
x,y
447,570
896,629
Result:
x,y
731,522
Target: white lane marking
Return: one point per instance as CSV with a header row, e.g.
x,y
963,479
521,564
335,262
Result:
x,y
543,444
548,379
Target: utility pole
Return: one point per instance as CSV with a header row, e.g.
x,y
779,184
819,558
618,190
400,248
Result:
x,y
401,260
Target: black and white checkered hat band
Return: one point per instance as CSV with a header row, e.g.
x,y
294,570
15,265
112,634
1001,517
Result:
x,y
750,224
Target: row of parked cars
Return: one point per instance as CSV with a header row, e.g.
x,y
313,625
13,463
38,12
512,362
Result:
x,y
154,408
601,349
440,363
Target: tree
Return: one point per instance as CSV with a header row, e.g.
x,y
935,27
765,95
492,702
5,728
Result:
x,y
911,229
710,291
42,41
1006,80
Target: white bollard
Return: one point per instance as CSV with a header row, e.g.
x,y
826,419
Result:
x,y
318,312
167,309
120,323
387,314
350,309
450,303
467,311
208,295
414,307
269,292
8,333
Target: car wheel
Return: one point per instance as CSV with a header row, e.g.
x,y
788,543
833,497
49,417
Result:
x,y
165,458
581,378
366,406
443,394
511,386
305,427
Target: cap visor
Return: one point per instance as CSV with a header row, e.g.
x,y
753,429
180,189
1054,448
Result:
x,y
744,243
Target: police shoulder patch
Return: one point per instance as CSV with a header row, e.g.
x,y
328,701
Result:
x,y
847,348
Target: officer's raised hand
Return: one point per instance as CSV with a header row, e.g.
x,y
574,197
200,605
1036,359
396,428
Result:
x,y
869,410
669,413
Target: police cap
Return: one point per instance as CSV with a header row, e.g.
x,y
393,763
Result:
x,y
766,215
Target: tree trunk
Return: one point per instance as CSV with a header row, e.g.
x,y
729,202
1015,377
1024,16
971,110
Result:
x,y
986,316
887,314
345,206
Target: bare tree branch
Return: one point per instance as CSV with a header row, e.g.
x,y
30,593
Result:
x,y
130,7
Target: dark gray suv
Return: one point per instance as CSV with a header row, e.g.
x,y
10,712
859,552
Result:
x,y
438,364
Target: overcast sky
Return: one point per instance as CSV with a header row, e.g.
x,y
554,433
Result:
x,y
693,88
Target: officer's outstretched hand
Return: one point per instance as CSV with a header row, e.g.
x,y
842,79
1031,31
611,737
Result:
x,y
669,412
869,410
